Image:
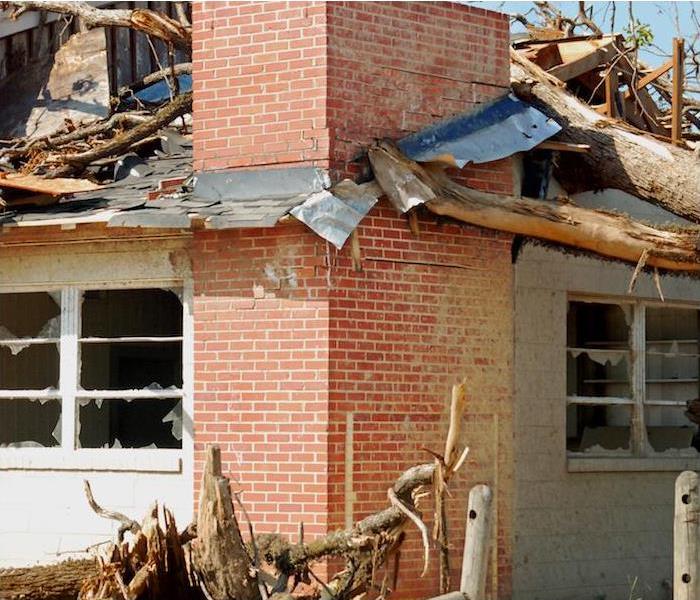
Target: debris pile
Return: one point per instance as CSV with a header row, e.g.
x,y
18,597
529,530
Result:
x,y
602,71
73,133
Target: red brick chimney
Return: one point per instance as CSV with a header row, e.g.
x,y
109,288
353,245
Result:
x,y
281,84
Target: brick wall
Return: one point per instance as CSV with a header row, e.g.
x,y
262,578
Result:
x,y
259,84
261,370
421,315
386,343
288,83
395,67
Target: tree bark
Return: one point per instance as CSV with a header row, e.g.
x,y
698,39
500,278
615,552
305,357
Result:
x,y
220,556
620,156
607,234
61,581
149,22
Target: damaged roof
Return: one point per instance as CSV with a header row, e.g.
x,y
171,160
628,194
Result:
x,y
164,192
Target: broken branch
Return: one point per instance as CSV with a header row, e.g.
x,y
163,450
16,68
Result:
x,y
179,106
147,21
127,524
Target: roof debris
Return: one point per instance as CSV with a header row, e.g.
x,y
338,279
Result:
x,y
495,130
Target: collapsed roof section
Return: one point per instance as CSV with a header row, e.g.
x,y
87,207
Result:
x,y
239,198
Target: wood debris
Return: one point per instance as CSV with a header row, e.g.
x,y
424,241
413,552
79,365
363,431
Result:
x,y
602,71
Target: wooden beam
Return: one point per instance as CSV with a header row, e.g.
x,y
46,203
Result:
x,y
585,63
611,84
677,98
650,77
476,543
686,533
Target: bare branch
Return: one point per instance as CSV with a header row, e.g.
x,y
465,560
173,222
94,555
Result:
x,y
149,22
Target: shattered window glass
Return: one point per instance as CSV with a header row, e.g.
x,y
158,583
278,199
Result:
x,y
131,340
30,326
606,413
30,423
137,423
131,313
34,367
599,429
126,339
598,367
672,358
131,365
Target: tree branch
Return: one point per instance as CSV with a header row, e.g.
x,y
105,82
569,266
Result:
x,y
147,21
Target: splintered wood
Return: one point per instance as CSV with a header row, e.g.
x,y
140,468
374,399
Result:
x,y
602,70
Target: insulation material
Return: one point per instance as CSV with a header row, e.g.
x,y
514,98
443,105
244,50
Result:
x,y
496,130
335,214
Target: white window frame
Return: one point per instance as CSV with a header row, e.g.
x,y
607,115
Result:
x,y
67,457
639,459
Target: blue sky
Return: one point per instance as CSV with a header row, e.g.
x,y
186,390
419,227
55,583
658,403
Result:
x,y
664,18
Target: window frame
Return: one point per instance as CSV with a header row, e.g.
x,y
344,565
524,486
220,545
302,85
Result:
x,y
639,458
67,456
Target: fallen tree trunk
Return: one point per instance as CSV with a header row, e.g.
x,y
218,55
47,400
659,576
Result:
x,y
150,22
608,234
61,581
620,157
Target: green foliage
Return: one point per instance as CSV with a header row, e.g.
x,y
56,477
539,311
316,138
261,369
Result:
x,y
640,35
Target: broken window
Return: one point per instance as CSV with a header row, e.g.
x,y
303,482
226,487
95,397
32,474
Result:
x,y
30,407
130,423
30,423
120,360
632,369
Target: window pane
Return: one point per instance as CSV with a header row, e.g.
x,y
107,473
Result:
x,y
129,313
597,325
30,423
670,431
598,429
130,365
153,423
598,373
35,314
29,367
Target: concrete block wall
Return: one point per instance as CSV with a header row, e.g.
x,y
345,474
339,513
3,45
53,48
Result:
x,y
579,535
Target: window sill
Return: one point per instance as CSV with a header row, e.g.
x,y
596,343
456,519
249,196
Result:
x,y
618,464
98,459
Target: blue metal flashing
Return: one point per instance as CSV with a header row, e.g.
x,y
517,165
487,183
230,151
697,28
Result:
x,y
496,130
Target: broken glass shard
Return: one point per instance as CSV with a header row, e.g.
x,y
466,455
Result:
x,y
26,314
